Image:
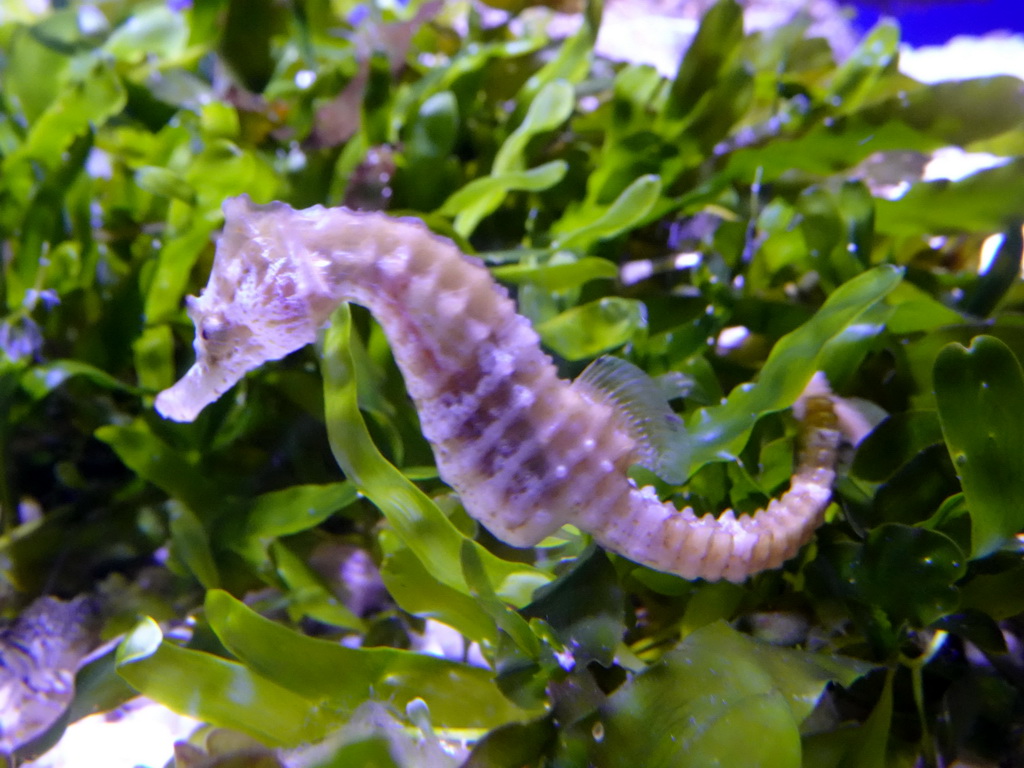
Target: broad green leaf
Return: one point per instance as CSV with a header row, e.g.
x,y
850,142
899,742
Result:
x,y
720,432
295,509
513,744
154,32
710,603
482,196
414,517
431,170
584,607
909,573
894,442
869,749
574,58
706,59
548,110
432,134
373,751
590,329
979,391
155,461
914,492
962,112
190,544
1001,275
629,210
224,169
308,595
915,310
153,351
40,380
997,595
34,67
458,695
174,264
873,58
985,201
558,277
919,120
687,709
510,622
165,183
420,593
92,98
282,513
221,692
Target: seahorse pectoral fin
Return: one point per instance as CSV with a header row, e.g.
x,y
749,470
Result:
x,y
665,445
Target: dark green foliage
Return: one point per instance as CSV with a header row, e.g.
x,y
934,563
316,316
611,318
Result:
x,y
630,213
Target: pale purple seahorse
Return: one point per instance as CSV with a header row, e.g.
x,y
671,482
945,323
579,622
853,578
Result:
x,y
527,452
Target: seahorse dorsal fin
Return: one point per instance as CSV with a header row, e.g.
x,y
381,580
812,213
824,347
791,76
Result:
x,y
665,443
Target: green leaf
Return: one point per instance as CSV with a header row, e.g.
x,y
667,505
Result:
x,y
584,607
154,32
174,264
1001,275
706,59
420,593
298,508
40,380
557,278
433,132
979,390
220,692
590,329
997,595
874,57
629,210
894,442
919,120
909,573
869,749
510,622
309,596
413,516
915,310
90,99
518,744
282,513
458,695
153,351
961,112
164,182
548,110
191,545
482,196
721,431
985,201
155,461
574,57
687,709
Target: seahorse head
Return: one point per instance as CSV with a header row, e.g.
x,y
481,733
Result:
x,y
263,301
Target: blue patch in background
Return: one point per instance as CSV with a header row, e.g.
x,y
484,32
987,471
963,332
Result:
x,y
937,21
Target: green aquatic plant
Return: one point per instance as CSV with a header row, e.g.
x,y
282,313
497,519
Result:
x,y
728,228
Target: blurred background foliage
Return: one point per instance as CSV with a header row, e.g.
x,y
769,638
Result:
x,y
755,214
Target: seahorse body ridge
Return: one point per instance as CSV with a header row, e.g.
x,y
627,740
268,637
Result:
x,y
527,452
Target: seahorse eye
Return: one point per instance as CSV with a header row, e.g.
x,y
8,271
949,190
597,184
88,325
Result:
x,y
214,330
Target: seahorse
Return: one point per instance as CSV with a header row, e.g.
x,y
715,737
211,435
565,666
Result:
x,y
527,451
